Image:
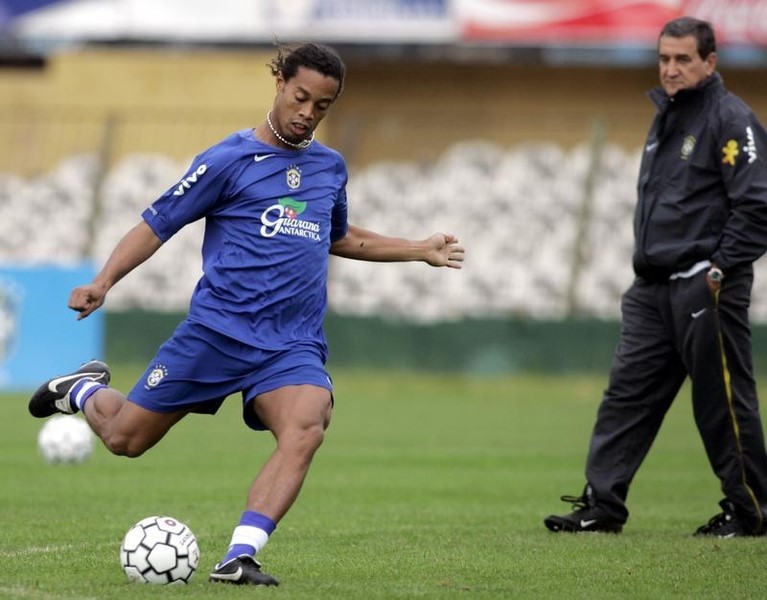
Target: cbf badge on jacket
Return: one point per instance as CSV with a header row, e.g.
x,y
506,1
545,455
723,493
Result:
x,y
688,146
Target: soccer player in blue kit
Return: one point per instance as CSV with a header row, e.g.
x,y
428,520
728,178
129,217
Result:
x,y
274,204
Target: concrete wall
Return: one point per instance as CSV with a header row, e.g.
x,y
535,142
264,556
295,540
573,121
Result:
x,y
397,110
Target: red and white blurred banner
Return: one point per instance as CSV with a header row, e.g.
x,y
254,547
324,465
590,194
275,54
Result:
x,y
604,21
735,21
508,22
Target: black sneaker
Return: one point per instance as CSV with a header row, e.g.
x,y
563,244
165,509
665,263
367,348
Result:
x,y
724,525
243,570
53,396
584,517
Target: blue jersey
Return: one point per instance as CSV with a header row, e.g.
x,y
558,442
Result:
x,y
270,217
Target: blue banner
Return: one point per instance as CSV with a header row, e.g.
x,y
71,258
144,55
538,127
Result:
x,y
10,9
39,336
392,9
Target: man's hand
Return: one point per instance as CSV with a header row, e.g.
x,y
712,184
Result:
x,y
714,278
443,250
87,298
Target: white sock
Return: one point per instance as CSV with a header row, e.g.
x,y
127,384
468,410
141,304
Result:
x,y
82,391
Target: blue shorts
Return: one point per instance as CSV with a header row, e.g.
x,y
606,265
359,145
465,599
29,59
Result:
x,y
197,368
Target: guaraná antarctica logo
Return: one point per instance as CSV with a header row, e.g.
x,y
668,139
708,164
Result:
x,y
283,218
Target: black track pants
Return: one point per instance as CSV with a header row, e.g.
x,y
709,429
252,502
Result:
x,y
669,331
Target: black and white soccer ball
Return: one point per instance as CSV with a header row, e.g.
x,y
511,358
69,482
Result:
x,y
65,439
160,550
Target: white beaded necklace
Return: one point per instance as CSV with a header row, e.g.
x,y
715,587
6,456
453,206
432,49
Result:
x,y
299,146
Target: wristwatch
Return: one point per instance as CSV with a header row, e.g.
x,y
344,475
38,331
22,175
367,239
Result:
x,y
715,274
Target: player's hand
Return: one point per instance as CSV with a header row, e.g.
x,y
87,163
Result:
x,y
86,298
443,250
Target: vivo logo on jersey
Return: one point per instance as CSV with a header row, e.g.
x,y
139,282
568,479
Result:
x,y
274,221
188,182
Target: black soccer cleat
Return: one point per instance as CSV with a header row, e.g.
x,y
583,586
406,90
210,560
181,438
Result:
x,y
243,570
726,524
53,396
584,518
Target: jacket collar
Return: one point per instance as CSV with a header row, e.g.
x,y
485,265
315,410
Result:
x,y
710,85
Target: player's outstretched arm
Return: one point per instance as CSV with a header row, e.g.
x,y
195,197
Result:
x,y
438,250
133,249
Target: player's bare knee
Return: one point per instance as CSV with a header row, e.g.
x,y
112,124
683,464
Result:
x,y
305,440
311,438
120,444
316,436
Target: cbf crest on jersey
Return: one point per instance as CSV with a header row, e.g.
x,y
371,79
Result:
x,y
293,177
156,375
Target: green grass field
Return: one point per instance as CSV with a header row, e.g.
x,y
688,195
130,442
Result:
x,y
428,486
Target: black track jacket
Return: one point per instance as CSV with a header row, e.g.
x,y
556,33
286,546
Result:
x,y
702,190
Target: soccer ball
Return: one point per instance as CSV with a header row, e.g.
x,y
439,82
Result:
x,y
159,550
65,439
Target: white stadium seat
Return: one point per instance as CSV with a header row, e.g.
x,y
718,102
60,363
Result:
x,y
538,244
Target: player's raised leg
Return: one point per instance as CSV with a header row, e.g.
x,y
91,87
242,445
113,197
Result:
x,y
297,416
59,394
125,428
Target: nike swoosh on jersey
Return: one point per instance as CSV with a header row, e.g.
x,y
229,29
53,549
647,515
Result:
x,y
260,157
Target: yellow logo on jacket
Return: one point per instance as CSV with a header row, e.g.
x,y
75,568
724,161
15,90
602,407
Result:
x,y
730,152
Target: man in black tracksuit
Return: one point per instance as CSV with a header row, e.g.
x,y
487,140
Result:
x,y
700,223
